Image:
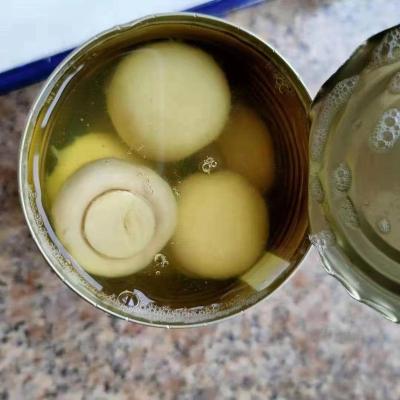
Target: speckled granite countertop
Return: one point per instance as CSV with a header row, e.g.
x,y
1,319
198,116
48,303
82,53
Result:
x,y
308,341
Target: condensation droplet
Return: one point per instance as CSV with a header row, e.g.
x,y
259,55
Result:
x,y
208,165
336,98
348,214
388,50
387,132
342,177
317,192
383,225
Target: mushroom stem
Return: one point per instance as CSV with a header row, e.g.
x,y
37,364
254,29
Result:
x,y
119,224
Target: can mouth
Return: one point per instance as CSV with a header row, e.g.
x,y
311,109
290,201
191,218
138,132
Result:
x,y
274,86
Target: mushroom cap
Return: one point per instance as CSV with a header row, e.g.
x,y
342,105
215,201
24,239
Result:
x,y
247,147
84,149
222,225
168,99
114,216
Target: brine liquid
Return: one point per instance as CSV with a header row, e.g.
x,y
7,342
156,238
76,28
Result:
x,y
80,109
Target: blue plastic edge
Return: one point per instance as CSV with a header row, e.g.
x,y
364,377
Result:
x,y
36,71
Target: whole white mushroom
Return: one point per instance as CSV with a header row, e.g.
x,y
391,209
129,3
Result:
x,y
247,148
114,216
222,226
168,99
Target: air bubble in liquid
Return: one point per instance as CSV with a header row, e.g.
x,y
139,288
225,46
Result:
x,y
161,260
383,225
208,165
342,177
128,298
317,192
336,98
348,214
387,131
145,308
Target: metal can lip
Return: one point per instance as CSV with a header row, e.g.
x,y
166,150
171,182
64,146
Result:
x,y
28,197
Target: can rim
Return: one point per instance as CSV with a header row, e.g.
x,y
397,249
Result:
x,y
256,41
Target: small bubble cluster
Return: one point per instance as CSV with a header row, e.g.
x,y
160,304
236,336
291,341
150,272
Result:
x,y
161,260
208,165
387,131
342,177
336,98
383,225
348,214
388,50
394,84
137,304
317,192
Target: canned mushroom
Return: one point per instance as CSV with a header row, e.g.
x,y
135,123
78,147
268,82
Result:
x,y
164,170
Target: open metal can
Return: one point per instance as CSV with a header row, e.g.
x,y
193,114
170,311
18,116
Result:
x,y
280,94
